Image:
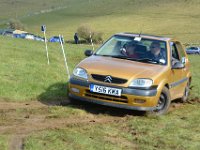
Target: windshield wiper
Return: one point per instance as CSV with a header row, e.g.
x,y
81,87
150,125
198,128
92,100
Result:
x,y
113,56
103,55
149,60
119,56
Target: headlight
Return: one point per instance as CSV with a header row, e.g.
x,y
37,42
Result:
x,y
79,72
141,83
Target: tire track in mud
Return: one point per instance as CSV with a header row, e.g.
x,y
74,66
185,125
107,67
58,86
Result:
x,y
21,126
20,132
18,105
24,124
29,126
17,142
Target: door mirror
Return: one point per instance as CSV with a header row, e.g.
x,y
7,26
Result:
x,y
88,52
183,60
178,65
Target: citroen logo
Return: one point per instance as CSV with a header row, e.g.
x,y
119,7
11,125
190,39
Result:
x,y
108,79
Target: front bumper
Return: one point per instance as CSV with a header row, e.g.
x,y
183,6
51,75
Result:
x,y
134,99
112,104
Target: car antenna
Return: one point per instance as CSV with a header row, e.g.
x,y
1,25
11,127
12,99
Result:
x,y
140,33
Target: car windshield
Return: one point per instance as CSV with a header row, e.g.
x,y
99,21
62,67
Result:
x,y
135,49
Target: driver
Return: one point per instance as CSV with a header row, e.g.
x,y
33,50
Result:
x,y
155,52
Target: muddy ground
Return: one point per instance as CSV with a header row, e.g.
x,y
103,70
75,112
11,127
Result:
x,y
20,119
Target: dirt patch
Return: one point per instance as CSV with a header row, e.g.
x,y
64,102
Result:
x,y
18,105
16,142
194,100
18,120
33,125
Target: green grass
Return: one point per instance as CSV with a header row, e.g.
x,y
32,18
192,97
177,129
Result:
x,y
22,8
194,60
89,137
177,130
4,142
25,74
171,18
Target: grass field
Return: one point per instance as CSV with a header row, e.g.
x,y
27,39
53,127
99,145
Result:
x,y
25,72
30,89
171,18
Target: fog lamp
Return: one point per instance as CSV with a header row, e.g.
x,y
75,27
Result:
x,y
139,101
75,90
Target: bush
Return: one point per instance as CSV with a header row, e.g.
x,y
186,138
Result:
x,y
15,24
84,32
97,37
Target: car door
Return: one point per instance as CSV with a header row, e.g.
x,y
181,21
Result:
x,y
178,79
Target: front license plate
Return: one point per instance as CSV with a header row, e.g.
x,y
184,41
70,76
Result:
x,y
105,90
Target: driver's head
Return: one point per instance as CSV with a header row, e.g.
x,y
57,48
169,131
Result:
x,y
155,48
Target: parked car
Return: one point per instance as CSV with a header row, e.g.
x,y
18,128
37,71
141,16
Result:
x,y
55,39
38,38
193,50
19,34
110,77
8,33
22,36
29,36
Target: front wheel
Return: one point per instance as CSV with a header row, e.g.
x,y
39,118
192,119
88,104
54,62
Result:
x,y
163,103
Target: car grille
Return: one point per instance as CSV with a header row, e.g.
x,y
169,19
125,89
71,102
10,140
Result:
x,y
114,79
122,99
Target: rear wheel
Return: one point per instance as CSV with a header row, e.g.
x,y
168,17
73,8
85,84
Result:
x,y
163,103
186,93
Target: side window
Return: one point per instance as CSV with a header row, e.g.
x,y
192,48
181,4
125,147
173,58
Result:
x,y
177,52
180,50
174,51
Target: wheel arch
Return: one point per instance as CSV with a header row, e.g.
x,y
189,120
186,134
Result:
x,y
163,84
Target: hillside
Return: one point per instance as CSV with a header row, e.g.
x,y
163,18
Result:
x,y
160,17
25,73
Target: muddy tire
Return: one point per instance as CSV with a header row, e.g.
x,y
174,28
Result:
x,y
186,93
163,104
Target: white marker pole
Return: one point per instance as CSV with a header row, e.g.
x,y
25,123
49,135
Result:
x,y
43,28
65,59
45,39
91,41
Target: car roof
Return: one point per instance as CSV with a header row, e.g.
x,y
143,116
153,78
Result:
x,y
144,36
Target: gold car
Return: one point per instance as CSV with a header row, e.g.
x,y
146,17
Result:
x,y
133,71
